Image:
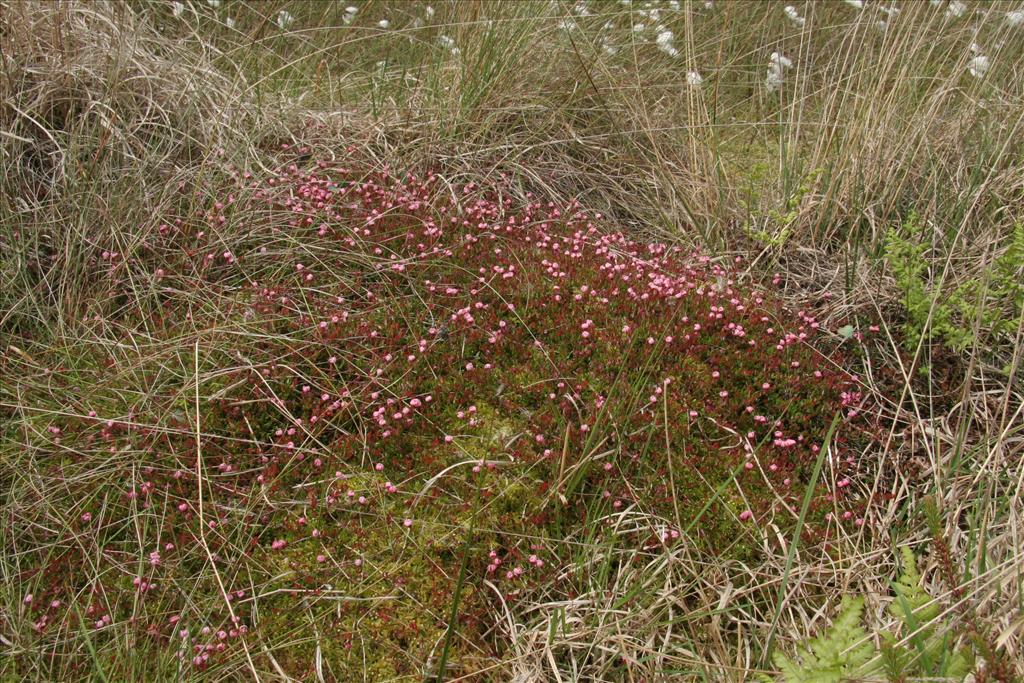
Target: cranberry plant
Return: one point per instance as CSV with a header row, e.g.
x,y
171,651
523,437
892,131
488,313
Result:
x,y
320,404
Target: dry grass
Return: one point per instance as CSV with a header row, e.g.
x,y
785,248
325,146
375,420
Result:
x,y
107,109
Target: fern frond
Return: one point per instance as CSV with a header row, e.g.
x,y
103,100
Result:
x,y
836,655
912,605
918,613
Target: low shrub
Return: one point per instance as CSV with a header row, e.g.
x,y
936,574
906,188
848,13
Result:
x,y
355,382
977,308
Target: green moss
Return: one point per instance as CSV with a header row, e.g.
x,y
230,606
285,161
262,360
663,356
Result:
x,y
384,618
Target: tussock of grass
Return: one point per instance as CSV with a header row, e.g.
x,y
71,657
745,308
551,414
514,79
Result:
x,y
166,172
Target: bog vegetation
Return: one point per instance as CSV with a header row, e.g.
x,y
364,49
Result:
x,y
511,340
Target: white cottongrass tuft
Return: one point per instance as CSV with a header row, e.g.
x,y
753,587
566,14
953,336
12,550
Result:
x,y
384,24
665,43
978,66
694,79
777,65
177,9
859,4
429,12
448,43
215,4
1015,18
955,9
793,15
230,23
284,19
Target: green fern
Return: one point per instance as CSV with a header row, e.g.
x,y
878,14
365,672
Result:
x,y
928,655
845,652
841,653
912,603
